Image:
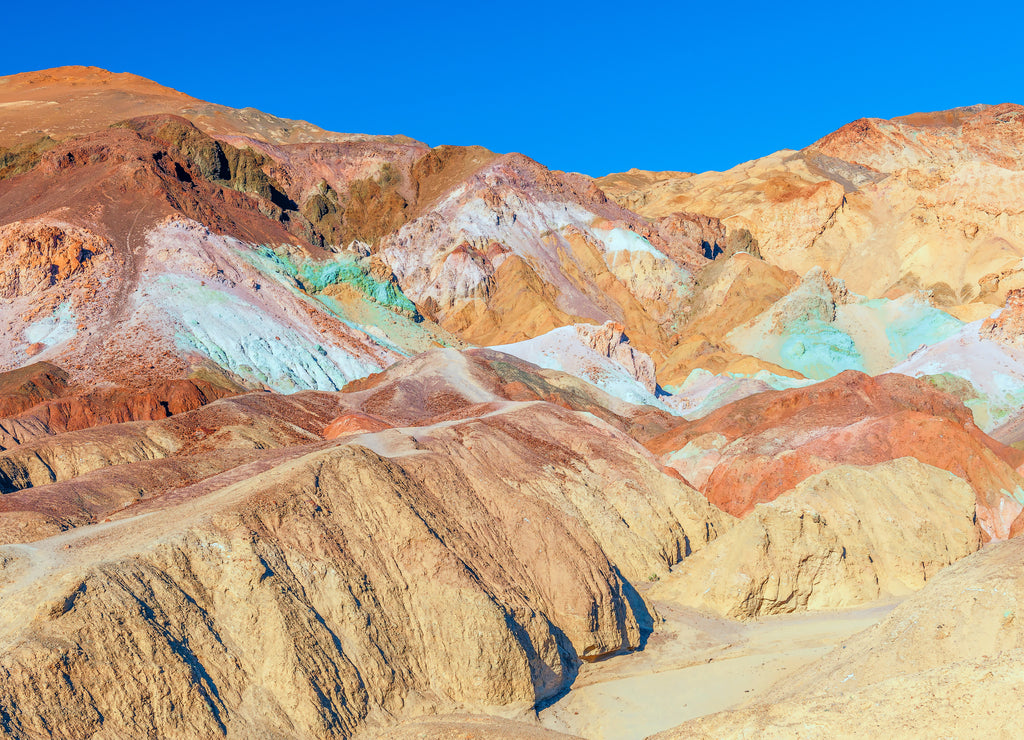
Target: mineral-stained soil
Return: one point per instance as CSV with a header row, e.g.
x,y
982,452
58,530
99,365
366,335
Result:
x,y
307,434
755,449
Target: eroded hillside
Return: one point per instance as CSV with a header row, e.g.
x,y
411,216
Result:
x,y
318,435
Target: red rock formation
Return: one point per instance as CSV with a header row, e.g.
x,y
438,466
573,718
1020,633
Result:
x,y
37,401
117,405
771,441
27,386
38,256
354,423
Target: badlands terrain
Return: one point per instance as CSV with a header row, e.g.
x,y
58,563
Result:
x,y
318,435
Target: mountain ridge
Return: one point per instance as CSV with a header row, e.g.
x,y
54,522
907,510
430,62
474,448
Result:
x,y
322,435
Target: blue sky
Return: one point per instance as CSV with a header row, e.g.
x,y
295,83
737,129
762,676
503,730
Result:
x,y
592,87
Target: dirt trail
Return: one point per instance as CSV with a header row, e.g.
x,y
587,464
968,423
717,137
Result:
x,y
695,665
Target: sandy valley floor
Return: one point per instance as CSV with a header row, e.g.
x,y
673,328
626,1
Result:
x,y
694,665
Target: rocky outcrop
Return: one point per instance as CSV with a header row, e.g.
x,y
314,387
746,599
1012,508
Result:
x,y
467,564
699,234
698,352
1008,327
946,660
842,537
38,255
610,340
753,450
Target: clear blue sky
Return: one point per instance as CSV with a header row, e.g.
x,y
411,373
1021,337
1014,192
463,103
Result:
x,y
593,87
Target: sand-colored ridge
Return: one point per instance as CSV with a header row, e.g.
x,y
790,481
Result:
x,y
208,562
843,537
928,201
946,660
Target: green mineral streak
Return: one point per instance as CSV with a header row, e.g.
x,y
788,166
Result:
x,y
954,385
268,260
319,276
314,277
21,159
914,326
819,350
373,332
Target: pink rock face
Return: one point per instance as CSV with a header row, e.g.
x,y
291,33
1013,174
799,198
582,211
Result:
x,y
774,440
979,133
354,423
610,340
1008,326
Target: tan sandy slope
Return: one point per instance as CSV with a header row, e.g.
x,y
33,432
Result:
x,y
846,536
74,100
469,562
945,663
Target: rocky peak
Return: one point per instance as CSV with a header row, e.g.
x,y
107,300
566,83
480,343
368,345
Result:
x,y
979,133
610,340
1008,326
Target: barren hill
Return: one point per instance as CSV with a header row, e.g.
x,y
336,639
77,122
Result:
x,y
317,435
